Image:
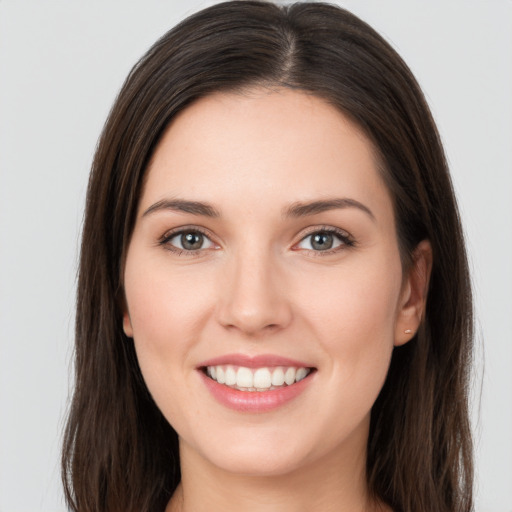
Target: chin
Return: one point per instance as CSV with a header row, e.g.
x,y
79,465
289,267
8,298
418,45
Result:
x,y
257,463
248,452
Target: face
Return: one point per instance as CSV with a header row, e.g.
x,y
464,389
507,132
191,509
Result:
x,y
265,251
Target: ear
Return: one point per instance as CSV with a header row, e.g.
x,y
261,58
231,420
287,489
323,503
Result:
x,y
413,297
121,301
127,325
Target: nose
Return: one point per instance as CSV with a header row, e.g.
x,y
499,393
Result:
x,y
253,296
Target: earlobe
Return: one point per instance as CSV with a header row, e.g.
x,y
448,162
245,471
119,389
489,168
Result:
x,y
127,322
414,294
127,325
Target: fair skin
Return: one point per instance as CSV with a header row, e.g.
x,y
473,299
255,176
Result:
x,y
256,282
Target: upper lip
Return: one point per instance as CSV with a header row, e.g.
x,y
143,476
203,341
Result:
x,y
258,361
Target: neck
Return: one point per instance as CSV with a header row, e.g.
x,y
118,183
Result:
x,y
331,483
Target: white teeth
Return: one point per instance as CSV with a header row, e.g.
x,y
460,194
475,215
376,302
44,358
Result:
x,y
244,378
259,379
278,377
221,378
301,373
262,378
230,376
289,376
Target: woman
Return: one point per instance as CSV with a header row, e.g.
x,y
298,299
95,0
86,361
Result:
x,y
274,310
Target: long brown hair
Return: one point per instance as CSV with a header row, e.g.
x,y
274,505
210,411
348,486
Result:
x,y
120,454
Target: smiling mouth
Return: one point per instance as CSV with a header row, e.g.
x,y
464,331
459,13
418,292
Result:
x,y
256,379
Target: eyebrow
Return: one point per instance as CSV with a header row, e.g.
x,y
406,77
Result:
x,y
304,209
295,210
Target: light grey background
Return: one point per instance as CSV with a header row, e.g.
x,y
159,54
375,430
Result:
x,y
61,65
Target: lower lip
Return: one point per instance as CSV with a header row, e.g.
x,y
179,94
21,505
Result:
x,y
254,401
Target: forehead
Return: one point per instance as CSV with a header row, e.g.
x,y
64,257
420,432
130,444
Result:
x,y
269,146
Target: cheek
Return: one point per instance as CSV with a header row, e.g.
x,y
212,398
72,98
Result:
x,y
355,319
161,303
164,319
356,329
358,299
162,315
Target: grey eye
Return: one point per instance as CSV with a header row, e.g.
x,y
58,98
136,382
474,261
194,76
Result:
x,y
189,240
322,241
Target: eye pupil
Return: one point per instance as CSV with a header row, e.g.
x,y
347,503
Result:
x,y
192,241
322,241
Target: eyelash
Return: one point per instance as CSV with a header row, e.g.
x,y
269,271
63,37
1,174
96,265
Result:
x,y
343,236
